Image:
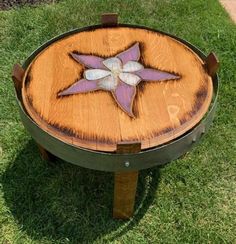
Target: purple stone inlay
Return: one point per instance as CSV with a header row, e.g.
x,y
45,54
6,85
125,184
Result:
x,y
124,92
80,86
124,95
89,61
131,54
155,75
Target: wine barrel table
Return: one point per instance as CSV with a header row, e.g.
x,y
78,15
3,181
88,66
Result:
x,y
117,97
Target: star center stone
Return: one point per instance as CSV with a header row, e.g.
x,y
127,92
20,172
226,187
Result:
x,y
116,72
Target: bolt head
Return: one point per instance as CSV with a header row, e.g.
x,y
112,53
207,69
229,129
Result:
x,y
127,163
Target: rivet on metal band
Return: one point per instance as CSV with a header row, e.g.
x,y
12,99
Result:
x,y
127,163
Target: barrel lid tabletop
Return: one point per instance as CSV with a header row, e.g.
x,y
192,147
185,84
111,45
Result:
x,y
106,85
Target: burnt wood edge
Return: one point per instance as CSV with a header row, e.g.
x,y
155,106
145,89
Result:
x,y
17,77
211,64
98,26
109,19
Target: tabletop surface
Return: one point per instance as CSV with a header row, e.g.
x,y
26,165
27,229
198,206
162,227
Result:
x,y
96,88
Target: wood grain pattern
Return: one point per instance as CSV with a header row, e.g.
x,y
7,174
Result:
x,y
17,77
124,194
212,64
124,147
125,185
163,110
109,19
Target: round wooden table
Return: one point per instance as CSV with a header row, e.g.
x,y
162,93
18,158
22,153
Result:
x,y
108,96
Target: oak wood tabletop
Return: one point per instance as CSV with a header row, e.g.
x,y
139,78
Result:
x,y
97,88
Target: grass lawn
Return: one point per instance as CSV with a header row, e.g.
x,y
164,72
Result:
x,y
191,200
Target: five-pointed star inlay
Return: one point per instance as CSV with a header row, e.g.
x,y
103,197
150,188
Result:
x,y
119,75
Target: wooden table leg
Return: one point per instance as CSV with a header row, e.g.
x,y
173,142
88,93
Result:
x,y
45,155
124,194
125,184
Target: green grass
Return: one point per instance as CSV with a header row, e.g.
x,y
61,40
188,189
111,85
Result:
x,y
191,200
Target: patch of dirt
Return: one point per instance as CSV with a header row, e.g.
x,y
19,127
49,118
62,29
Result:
x,y
230,7
7,4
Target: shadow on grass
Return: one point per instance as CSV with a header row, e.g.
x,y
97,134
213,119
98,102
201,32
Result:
x,y
63,202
